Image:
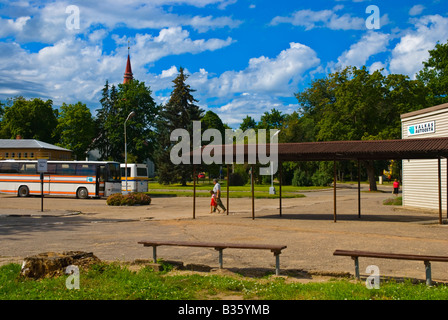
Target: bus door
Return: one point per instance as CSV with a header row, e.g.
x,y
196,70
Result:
x,y
101,175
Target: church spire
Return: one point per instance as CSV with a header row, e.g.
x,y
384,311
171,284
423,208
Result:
x,y
128,72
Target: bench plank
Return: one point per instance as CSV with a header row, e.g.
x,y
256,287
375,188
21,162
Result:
x,y
276,249
384,255
366,254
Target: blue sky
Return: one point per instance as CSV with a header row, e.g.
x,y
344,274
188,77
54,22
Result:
x,y
243,57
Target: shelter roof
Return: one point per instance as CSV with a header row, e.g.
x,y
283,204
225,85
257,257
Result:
x,y
420,148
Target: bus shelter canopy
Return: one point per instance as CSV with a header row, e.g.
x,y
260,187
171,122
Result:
x,y
416,148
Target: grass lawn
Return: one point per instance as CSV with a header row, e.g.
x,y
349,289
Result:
x,y
236,194
202,188
394,201
115,282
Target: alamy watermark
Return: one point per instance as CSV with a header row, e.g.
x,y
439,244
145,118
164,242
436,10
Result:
x,y
72,281
257,149
73,20
373,281
373,21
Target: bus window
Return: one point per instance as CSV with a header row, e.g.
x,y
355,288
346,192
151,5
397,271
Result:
x,y
28,168
9,167
114,173
51,168
84,169
66,169
142,172
123,172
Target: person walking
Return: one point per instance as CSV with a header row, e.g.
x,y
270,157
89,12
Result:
x,y
217,192
213,203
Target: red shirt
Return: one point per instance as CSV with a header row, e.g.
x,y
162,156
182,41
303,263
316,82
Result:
x,y
396,184
213,201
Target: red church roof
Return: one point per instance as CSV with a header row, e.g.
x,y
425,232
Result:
x,y
128,72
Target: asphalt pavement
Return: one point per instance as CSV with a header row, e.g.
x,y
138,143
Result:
x,y
306,227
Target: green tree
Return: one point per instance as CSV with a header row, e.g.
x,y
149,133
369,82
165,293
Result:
x,y
212,121
1,118
75,129
353,104
116,105
30,119
435,75
248,123
178,113
297,128
271,120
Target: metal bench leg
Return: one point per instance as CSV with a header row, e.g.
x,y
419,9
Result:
x,y
154,253
277,264
356,267
428,273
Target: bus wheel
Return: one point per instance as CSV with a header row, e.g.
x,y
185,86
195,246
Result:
x,y
82,193
23,191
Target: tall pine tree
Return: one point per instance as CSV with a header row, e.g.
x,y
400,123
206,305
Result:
x,y
179,113
116,105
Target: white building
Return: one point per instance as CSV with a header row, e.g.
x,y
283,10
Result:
x,y
420,177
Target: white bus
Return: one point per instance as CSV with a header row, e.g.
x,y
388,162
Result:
x,y
137,177
82,179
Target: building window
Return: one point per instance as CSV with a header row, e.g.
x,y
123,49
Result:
x,y
13,155
6,154
32,155
19,155
25,155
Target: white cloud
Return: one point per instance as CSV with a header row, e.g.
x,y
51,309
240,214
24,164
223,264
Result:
x,y
253,105
47,22
322,19
277,76
359,53
74,70
251,91
413,47
378,66
416,10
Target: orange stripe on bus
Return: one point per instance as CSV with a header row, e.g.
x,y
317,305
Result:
x,y
47,193
47,175
48,181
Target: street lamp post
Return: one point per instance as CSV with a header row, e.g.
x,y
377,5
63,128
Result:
x,y
126,150
272,188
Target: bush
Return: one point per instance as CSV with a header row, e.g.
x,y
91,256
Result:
x,y
130,199
301,179
321,178
236,179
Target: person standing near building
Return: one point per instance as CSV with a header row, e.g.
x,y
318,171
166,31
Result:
x,y
396,187
217,192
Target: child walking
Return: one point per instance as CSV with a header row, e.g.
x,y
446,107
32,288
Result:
x,y
213,203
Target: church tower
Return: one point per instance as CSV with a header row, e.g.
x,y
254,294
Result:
x,y
128,72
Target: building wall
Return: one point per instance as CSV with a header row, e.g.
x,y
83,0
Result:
x,y
420,177
32,154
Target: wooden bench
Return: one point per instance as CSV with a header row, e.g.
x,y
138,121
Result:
x,y
276,249
426,259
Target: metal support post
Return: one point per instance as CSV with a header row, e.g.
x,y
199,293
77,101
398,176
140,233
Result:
x,y
154,254
428,273
356,267
277,263
220,257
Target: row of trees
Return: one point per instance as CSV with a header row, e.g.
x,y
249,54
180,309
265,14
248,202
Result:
x,y
349,104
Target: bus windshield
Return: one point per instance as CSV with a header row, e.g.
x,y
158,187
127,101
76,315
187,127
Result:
x,y
114,173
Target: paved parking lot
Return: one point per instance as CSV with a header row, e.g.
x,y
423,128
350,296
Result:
x,y
306,227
